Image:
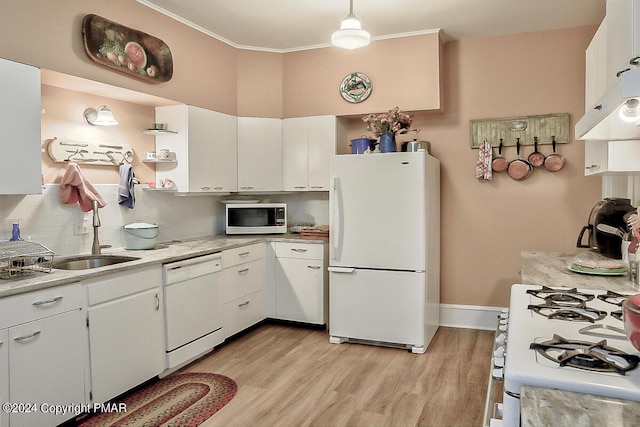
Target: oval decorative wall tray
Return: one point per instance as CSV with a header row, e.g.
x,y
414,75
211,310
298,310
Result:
x,y
126,50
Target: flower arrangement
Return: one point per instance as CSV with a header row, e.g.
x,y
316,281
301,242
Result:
x,y
395,121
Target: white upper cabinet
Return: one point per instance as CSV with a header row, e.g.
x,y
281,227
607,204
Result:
x,y
20,113
596,67
307,144
204,144
623,37
259,154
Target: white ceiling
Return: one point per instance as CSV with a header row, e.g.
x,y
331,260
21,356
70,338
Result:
x,y
289,25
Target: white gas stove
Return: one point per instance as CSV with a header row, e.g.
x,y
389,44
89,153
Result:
x,y
571,340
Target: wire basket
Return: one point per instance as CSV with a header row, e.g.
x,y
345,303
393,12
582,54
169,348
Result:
x,y
21,257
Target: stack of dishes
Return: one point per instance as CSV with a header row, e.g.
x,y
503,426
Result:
x,y
593,263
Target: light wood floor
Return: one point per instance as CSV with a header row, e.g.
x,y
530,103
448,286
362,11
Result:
x,y
290,376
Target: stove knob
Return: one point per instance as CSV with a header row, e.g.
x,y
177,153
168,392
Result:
x,y
497,374
500,352
501,339
504,314
498,362
504,322
503,328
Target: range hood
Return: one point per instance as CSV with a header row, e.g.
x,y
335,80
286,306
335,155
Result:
x,y
616,116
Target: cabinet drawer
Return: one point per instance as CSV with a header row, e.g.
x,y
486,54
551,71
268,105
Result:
x,y
244,279
299,250
118,285
243,312
243,254
35,305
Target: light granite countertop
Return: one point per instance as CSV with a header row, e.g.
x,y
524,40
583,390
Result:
x,y
554,408
550,269
542,407
165,252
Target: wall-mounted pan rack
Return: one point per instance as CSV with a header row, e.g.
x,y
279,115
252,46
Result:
x,y
545,128
97,153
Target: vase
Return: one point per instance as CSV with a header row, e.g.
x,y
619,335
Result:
x,y
388,143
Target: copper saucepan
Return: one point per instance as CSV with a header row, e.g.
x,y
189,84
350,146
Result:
x,y
519,168
554,162
536,159
499,164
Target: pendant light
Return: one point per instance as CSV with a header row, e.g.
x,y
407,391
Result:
x,y
350,35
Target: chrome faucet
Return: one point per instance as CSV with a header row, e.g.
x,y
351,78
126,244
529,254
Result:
x,y
95,248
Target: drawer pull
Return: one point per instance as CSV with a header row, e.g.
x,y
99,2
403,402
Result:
x,y
244,304
244,253
26,337
315,267
244,270
298,250
47,301
218,188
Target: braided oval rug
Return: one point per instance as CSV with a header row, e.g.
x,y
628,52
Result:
x,y
178,400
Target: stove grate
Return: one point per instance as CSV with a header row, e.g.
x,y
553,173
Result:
x,y
586,355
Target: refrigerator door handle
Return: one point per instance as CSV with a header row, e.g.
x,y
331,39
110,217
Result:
x,y
334,227
345,270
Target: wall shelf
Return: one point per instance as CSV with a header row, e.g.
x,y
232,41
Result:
x,y
544,127
158,132
90,152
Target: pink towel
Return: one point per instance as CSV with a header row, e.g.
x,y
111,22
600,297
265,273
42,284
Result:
x,y
75,187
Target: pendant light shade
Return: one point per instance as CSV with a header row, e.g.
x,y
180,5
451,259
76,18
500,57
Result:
x,y
350,35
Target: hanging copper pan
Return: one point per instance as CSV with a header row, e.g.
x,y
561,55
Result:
x,y
519,168
554,162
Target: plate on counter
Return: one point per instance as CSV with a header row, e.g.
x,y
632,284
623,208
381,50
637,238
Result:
x,y
597,271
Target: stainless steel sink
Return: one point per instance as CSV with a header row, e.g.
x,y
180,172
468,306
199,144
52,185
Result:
x,y
85,262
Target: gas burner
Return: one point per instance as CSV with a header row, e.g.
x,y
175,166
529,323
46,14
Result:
x,y
617,315
613,298
564,297
586,355
580,313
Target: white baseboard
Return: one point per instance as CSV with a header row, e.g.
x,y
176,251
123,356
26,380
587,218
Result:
x,y
469,316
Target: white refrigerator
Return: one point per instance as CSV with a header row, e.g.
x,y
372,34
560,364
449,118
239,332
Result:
x,y
384,254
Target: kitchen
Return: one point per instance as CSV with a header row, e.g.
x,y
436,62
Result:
x,y
485,225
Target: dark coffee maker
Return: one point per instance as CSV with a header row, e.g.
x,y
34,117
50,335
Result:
x,y
611,212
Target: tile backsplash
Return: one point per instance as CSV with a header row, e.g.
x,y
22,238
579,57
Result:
x,y
67,230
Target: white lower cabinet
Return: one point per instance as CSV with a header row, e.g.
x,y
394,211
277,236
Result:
x,y
244,283
4,374
42,355
126,332
301,282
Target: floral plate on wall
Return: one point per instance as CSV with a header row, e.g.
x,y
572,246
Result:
x,y
355,87
126,50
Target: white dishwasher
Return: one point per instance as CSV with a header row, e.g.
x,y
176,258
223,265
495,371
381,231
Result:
x,y
193,308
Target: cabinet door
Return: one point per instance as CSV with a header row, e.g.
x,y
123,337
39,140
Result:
x,y
126,343
259,154
299,290
4,374
322,145
596,67
47,357
224,162
201,149
295,154
20,115
595,157
620,37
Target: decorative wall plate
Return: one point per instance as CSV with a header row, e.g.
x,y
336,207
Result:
x,y
355,87
126,50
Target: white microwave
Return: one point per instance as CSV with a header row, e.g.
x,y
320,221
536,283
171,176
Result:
x,y
256,218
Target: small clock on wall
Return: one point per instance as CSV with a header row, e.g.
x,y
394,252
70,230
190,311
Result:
x,y
355,87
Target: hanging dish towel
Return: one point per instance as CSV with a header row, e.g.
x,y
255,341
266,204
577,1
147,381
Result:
x,y
125,189
483,166
75,187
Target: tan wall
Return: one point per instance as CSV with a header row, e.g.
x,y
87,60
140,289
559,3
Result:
x,y
485,225
404,71
48,34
